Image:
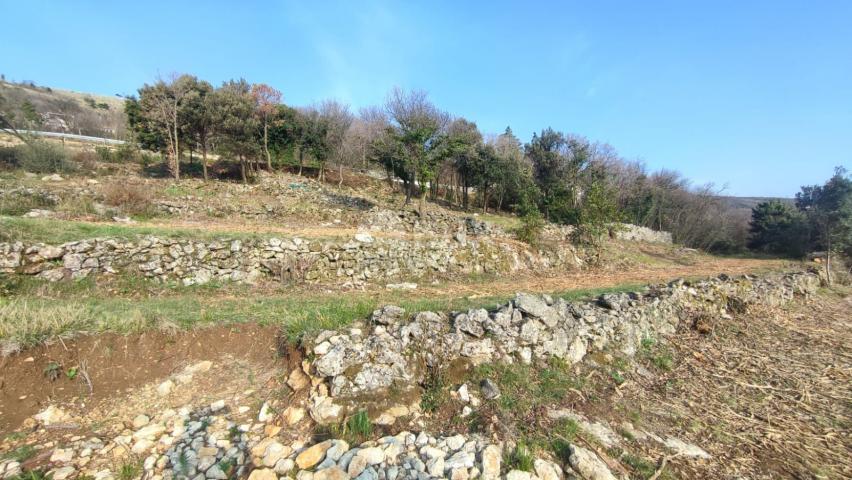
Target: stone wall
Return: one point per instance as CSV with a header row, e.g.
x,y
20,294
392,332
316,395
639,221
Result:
x,y
396,349
359,259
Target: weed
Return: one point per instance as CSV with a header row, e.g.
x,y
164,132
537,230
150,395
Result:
x,y
129,470
31,475
20,454
434,391
52,371
520,458
71,373
43,157
357,428
645,468
132,198
617,377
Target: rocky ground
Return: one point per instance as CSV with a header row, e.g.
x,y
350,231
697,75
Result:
x,y
762,393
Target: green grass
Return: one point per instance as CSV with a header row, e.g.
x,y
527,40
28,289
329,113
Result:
x,y
34,230
357,428
20,454
521,458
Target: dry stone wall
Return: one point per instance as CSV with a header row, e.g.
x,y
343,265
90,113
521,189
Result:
x,y
359,259
395,349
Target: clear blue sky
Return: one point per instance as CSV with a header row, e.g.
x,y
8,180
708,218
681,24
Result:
x,y
755,95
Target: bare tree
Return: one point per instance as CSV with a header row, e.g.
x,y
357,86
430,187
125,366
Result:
x,y
336,120
266,101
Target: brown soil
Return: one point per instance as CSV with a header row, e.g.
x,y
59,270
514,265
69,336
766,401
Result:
x,y
116,363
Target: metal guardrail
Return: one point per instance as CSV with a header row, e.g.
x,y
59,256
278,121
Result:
x,y
70,136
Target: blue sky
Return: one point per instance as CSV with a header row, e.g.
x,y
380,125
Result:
x,y
755,95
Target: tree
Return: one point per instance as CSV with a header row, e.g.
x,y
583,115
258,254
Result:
x,y
828,208
160,105
237,124
335,119
461,146
266,101
8,121
558,161
416,124
777,228
198,118
139,127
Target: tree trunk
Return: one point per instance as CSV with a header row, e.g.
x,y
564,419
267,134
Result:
x,y
243,169
828,259
340,174
266,145
204,160
301,160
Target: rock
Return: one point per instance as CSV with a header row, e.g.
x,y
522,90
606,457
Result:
x,y
356,466
217,405
333,473
142,446
463,393
518,475
263,474
215,473
150,432
435,467
313,455
62,455
165,388
364,237
52,178
492,457
455,442
275,452
686,449
460,459
324,410
293,415
489,389
588,465
140,421
545,470
297,380
372,455
52,415
401,286
199,367
387,315
284,466
62,473
535,306
266,413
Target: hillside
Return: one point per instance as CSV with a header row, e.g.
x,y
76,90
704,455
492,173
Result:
x,y
65,111
296,328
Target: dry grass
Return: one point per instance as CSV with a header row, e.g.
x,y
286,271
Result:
x,y
132,198
767,393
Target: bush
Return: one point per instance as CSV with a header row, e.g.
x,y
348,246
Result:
x,y
8,157
531,227
104,154
133,199
42,157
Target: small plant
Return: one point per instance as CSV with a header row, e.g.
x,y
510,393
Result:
x,y
43,157
132,198
359,425
434,393
129,470
531,226
31,475
20,454
52,371
521,458
617,377
71,373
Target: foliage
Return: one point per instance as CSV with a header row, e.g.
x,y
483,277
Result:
x,y
828,209
777,228
520,458
531,227
39,156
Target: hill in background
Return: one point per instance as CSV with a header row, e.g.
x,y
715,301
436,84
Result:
x,y
65,111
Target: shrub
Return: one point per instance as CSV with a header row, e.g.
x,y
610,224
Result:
x,y
104,154
133,199
42,157
531,227
8,157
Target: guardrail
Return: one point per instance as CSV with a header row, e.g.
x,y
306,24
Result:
x,y
69,136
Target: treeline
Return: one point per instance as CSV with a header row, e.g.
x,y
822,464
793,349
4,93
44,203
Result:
x,y
428,154
820,220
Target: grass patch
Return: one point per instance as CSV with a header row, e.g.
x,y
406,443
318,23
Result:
x,y
357,429
20,454
34,230
659,355
521,458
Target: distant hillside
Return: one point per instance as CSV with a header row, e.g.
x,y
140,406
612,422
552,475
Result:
x,y
751,202
55,110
